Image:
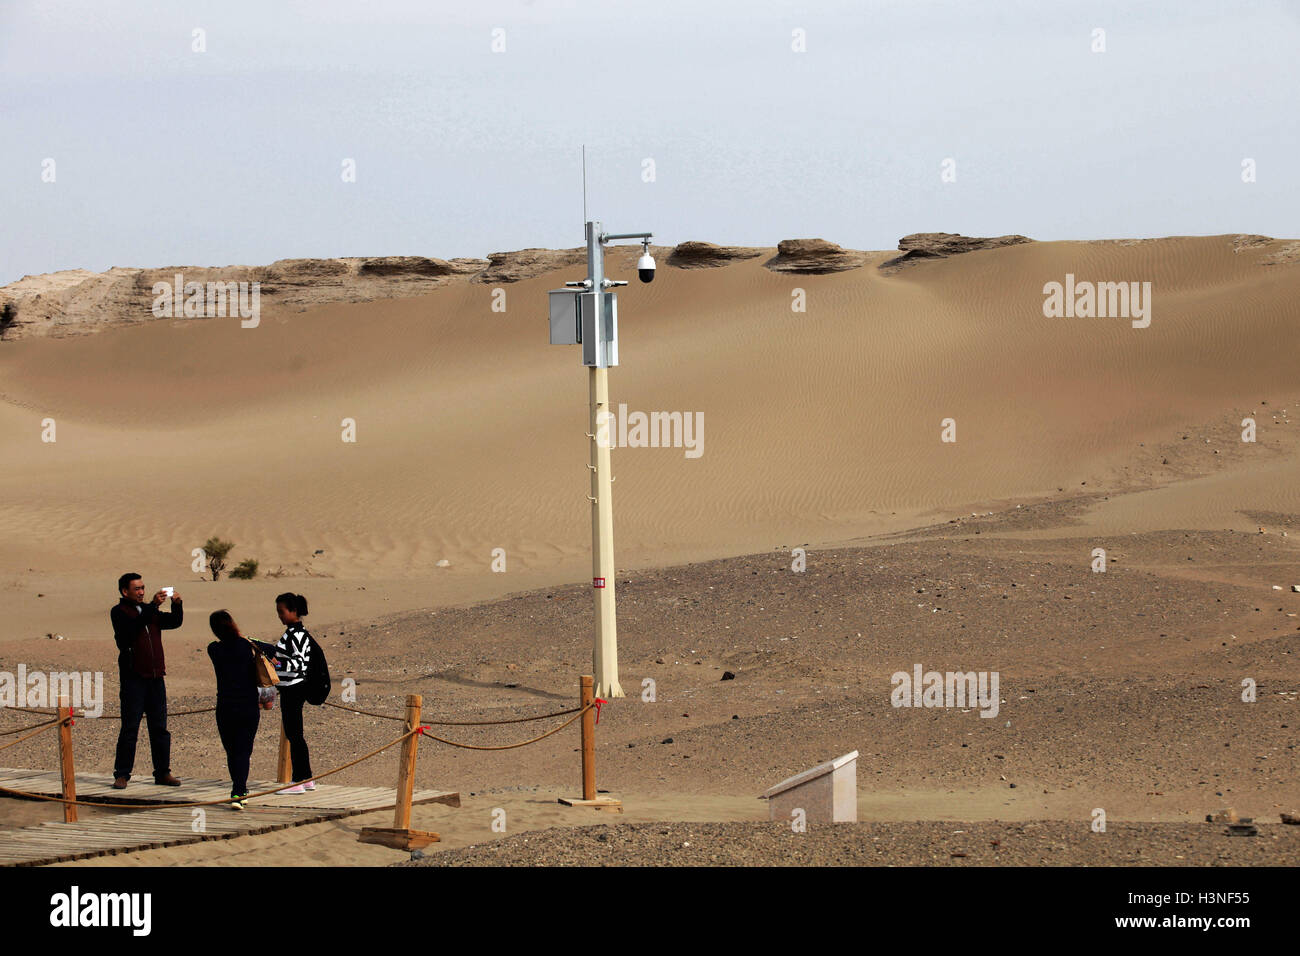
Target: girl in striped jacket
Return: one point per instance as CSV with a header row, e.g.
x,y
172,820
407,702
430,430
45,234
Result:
x,y
292,653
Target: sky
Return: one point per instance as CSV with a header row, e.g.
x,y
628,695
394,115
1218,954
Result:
x,y
732,122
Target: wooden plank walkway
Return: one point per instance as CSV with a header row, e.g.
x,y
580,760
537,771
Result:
x,y
148,829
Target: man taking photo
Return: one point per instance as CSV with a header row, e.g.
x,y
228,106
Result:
x,y
137,629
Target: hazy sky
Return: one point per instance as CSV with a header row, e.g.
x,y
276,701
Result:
x,y
166,156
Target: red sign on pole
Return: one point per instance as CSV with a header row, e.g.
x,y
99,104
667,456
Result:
x,y
597,582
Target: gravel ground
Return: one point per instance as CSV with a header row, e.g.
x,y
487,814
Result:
x,y
1121,690
1042,843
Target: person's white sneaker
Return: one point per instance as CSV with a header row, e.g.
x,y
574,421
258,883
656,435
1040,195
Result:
x,y
296,788
309,784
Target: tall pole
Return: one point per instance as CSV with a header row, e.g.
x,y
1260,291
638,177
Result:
x,y
605,657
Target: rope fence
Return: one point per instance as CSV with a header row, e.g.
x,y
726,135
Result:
x,y
19,730
401,835
458,723
353,710
55,713
40,729
197,803
579,712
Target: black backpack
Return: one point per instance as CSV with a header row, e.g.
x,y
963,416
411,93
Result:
x,y
317,681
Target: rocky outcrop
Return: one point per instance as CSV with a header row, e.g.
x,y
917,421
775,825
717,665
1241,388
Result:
x,y
313,269
1280,251
527,263
813,257
78,301
940,245
1289,252
412,266
706,255
1244,241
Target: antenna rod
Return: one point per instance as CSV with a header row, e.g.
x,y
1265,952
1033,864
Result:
x,y
584,184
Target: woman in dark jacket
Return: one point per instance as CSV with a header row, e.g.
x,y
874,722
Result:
x,y
233,658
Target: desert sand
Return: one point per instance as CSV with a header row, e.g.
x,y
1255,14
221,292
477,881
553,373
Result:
x,y
1120,690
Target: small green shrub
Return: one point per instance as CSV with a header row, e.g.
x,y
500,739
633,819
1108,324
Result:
x,y
246,571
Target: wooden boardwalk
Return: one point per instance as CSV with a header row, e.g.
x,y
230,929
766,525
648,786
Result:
x,y
148,829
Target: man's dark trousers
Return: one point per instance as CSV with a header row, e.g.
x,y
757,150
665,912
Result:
x,y
147,697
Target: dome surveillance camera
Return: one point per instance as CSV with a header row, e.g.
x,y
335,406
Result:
x,y
645,266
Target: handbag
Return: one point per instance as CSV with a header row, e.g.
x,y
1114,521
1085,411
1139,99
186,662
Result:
x,y
265,671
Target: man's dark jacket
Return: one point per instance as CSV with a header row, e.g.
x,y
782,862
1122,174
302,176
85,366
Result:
x,y
137,629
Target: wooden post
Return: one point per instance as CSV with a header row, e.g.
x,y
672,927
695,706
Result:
x,y
406,765
284,763
587,697
65,760
401,836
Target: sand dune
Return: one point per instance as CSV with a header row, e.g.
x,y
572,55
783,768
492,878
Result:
x,y
819,426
